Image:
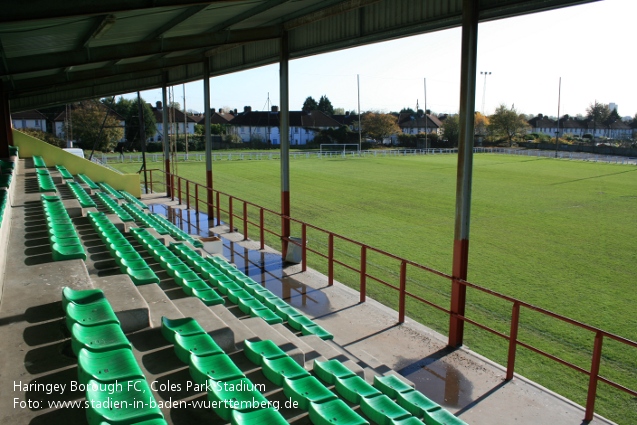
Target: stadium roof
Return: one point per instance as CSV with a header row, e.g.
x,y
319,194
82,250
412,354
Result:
x,y
56,52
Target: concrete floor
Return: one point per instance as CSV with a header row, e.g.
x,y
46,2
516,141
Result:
x,y
34,344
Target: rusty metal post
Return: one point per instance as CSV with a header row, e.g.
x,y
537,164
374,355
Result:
x,y
363,281
594,376
330,260
150,175
218,208
304,247
465,170
261,228
187,194
166,141
230,215
206,102
401,294
179,189
245,221
197,199
284,131
513,340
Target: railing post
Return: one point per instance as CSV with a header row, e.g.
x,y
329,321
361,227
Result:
x,y
197,198
150,174
187,195
592,383
218,209
245,221
179,189
230,214
513,340
304,247
330,260
363,286
403,285
172,187
261,229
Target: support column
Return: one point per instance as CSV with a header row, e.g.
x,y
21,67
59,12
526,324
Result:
x,y
206,112
164,119
465,169
6,133
284,130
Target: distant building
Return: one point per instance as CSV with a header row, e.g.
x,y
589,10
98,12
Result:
x,y
578,127
419,123
350,120
180,123
29,119
264,125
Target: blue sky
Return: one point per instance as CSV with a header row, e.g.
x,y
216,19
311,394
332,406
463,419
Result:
x,y
589,46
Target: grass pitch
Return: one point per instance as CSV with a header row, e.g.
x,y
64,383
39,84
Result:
x,y
558,234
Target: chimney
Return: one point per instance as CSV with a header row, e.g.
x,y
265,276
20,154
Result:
x,y
247,109
347,113
213,110
158,104
275,108
220,111
235,111
540,116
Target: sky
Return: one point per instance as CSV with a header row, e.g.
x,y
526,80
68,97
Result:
x,y
588,46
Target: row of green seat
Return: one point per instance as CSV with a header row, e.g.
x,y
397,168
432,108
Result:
x,y
144,218
86,180
210,365
299,385
108,188
13,150
5,180
45,181
184,276
66,175
106,364
286,312
4,200
81,195
377,400
38,162
114,207
65,243
126,257
176,232
7,166
132,200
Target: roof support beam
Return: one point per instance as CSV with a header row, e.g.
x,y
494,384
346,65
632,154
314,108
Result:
x,y
284,132
144,48
465,169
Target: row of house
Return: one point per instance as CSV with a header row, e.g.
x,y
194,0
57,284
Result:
x,y
304,125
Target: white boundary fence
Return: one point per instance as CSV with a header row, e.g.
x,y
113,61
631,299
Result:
x,y
264,156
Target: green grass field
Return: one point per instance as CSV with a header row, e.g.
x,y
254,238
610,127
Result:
x,y
559,234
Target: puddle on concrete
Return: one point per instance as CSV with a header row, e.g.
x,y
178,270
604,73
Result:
x,y
441,382
265,268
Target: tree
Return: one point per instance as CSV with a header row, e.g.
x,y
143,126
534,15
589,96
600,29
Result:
x,y
481,124
379,126
87,117
407,111
508,123
339,111
325,105
451,129
128,109
598,113
310,104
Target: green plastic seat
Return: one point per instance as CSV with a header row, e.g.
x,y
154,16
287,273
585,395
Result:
x,y
182,326
199,344
307,390
329,370
80,296
257,351
71,252
440,416
226,286
334,412
208,296
284,367
142,276
411,420
130,396
96,313
273,303
266,314
263,293
234,296
382,409
246,305
176,267
219,367
391,385
98,338
286,311
297,322
194,284
268,416
353,388
316,330
244,395
415,402
107,366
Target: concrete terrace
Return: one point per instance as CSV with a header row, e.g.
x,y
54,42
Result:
x,y
35,345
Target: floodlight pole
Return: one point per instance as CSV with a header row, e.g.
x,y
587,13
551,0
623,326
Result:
x,y
208,137
557,133
360,136
284,131
164,119
426,118
465,170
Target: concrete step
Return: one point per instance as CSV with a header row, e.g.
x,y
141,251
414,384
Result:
x,y
159,304
265,331
129,305
241,331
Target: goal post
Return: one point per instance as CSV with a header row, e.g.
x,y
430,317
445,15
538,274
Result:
x,y
339,147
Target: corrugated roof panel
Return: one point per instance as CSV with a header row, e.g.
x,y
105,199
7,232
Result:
x,y
340,27
134,60
274,14
256,52
58,35
211,17
97,65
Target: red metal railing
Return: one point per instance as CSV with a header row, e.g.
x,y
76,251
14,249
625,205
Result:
x,y
403,292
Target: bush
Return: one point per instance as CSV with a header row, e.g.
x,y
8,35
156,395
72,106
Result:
x,y
46,137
